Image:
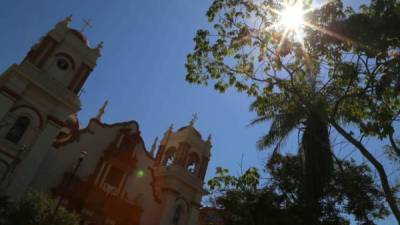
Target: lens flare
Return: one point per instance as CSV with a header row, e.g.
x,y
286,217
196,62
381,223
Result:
x,y
292,17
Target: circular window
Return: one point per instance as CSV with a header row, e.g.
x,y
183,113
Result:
x,y
62,64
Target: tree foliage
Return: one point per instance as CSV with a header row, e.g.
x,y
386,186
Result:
x,y
281,200
344,72
36,208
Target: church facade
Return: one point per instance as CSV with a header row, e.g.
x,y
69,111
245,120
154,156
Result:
x,y
102,171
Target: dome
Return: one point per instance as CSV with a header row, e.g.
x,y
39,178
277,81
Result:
x,y
80,36
190,129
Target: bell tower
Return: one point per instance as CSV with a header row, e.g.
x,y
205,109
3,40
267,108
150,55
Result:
x,y
180,167
36,97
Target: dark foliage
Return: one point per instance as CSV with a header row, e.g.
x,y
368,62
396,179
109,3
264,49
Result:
x,y
282,200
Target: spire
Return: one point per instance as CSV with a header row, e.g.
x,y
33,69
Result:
x,y
170,128
69,18
101,111
194,119
153,147
65,22
100,45
167,135
97,49
209,138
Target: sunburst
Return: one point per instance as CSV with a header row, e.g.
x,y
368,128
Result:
x,y
291,19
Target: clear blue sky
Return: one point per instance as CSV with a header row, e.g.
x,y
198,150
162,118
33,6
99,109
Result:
x,y
142,69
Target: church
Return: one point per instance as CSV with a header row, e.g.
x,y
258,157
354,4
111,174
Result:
x,y
102,171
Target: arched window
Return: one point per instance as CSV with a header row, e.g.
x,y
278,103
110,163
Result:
x,y
18,129
170,157
177,214
192,164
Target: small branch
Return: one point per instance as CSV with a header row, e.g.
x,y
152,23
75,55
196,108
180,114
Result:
x,y
395,147
378,166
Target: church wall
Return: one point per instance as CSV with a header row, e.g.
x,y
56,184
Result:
x,y
194,215
171,200
26,171
94,143
26,90
6,103
8,94
177,187
139,188
93,140
51,68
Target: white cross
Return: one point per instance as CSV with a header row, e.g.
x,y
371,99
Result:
x,y
86,24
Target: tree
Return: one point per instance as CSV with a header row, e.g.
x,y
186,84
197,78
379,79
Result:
x,y
317,155
281,200
343,70
35,208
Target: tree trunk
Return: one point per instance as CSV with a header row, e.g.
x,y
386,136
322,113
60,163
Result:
x,y
378,166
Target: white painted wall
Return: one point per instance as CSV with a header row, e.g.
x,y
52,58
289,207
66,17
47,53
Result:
x,y
27,170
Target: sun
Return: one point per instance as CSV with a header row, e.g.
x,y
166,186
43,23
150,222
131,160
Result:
x,y
292,17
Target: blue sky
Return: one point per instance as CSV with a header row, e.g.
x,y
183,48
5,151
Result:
x,y
142,69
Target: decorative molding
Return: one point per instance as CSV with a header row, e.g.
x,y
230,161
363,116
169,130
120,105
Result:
x,y
153,186
175,192
182,153
48,53
47,83
203,167
4,152
83,69
35,51
5,90
75,137
37,112
160,153
58,143
56,121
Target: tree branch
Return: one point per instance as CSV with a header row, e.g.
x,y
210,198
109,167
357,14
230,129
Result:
x,y
378,166
395,147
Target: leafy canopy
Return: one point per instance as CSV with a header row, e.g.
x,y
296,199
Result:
x,y
280,200
35,208
348,58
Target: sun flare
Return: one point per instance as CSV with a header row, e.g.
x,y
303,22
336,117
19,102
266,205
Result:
x,y
291,21
292,17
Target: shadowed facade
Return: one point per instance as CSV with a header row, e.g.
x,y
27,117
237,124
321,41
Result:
x,y
119,182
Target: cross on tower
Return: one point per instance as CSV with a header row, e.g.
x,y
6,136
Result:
x,y
86,24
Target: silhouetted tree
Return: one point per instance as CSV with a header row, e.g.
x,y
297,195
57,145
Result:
x,y
35,208
281,199
342,71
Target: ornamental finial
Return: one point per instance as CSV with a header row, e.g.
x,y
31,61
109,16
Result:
x,y
194,119
153,147
69,18
100,45
102,111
